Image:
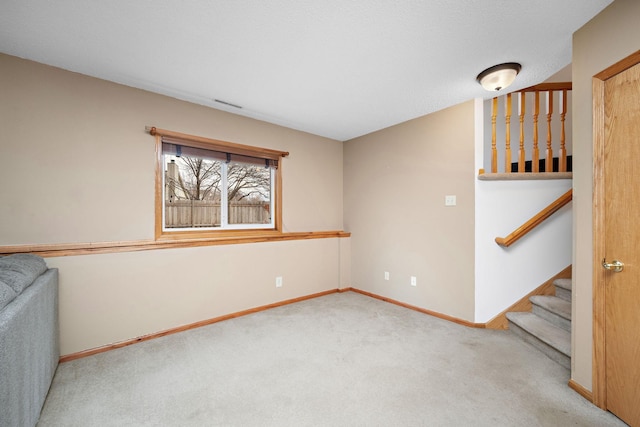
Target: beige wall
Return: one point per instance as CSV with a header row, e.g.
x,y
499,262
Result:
x,y
77,166
611,36
114,297
396,180
81,167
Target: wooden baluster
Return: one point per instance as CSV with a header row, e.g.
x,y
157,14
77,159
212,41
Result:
x,y
563,150
549,158
535,157
494,150
521,111
507,150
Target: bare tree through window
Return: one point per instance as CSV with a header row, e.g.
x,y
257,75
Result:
x,y
194,192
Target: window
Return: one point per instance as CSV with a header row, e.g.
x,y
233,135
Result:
x,y
209,186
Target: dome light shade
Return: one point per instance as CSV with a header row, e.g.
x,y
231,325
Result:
x,y
499,76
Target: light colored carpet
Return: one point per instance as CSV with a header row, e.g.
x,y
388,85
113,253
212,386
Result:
x,y
339,360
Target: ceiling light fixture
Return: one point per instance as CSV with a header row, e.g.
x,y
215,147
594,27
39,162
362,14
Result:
x,y
499,76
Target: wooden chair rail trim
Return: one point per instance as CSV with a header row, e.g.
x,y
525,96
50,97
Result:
x,y
71,249
538,219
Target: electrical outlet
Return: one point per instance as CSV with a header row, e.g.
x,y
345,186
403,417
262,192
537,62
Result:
x,y
386,275
279,282
450,200
414,281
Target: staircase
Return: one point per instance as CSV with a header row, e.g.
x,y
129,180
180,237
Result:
x,y
548,326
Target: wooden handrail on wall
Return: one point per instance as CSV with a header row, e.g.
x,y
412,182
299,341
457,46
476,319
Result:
x,y
548,90
525,228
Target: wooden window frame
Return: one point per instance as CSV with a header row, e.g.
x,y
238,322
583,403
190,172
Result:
x,y
218,145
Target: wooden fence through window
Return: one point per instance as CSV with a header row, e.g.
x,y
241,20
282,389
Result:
x,y
202,213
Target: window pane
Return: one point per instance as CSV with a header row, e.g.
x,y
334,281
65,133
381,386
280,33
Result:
x,y
192,192
249,193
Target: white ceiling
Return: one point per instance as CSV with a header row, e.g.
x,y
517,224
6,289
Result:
x,y
335,68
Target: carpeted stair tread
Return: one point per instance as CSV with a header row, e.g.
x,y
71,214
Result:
x,y
563,283
553,304
551,335
563,288
555,310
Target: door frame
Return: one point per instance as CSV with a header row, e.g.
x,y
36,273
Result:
x,y
599,381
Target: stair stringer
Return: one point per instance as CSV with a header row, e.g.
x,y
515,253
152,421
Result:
x,y
524,304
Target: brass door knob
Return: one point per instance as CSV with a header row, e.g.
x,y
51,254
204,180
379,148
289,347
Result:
x,y
615,265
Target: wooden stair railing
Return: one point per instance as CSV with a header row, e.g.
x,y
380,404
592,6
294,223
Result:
x,y
549,89
525,228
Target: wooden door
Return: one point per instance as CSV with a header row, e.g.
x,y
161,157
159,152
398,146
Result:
x,y
621,242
